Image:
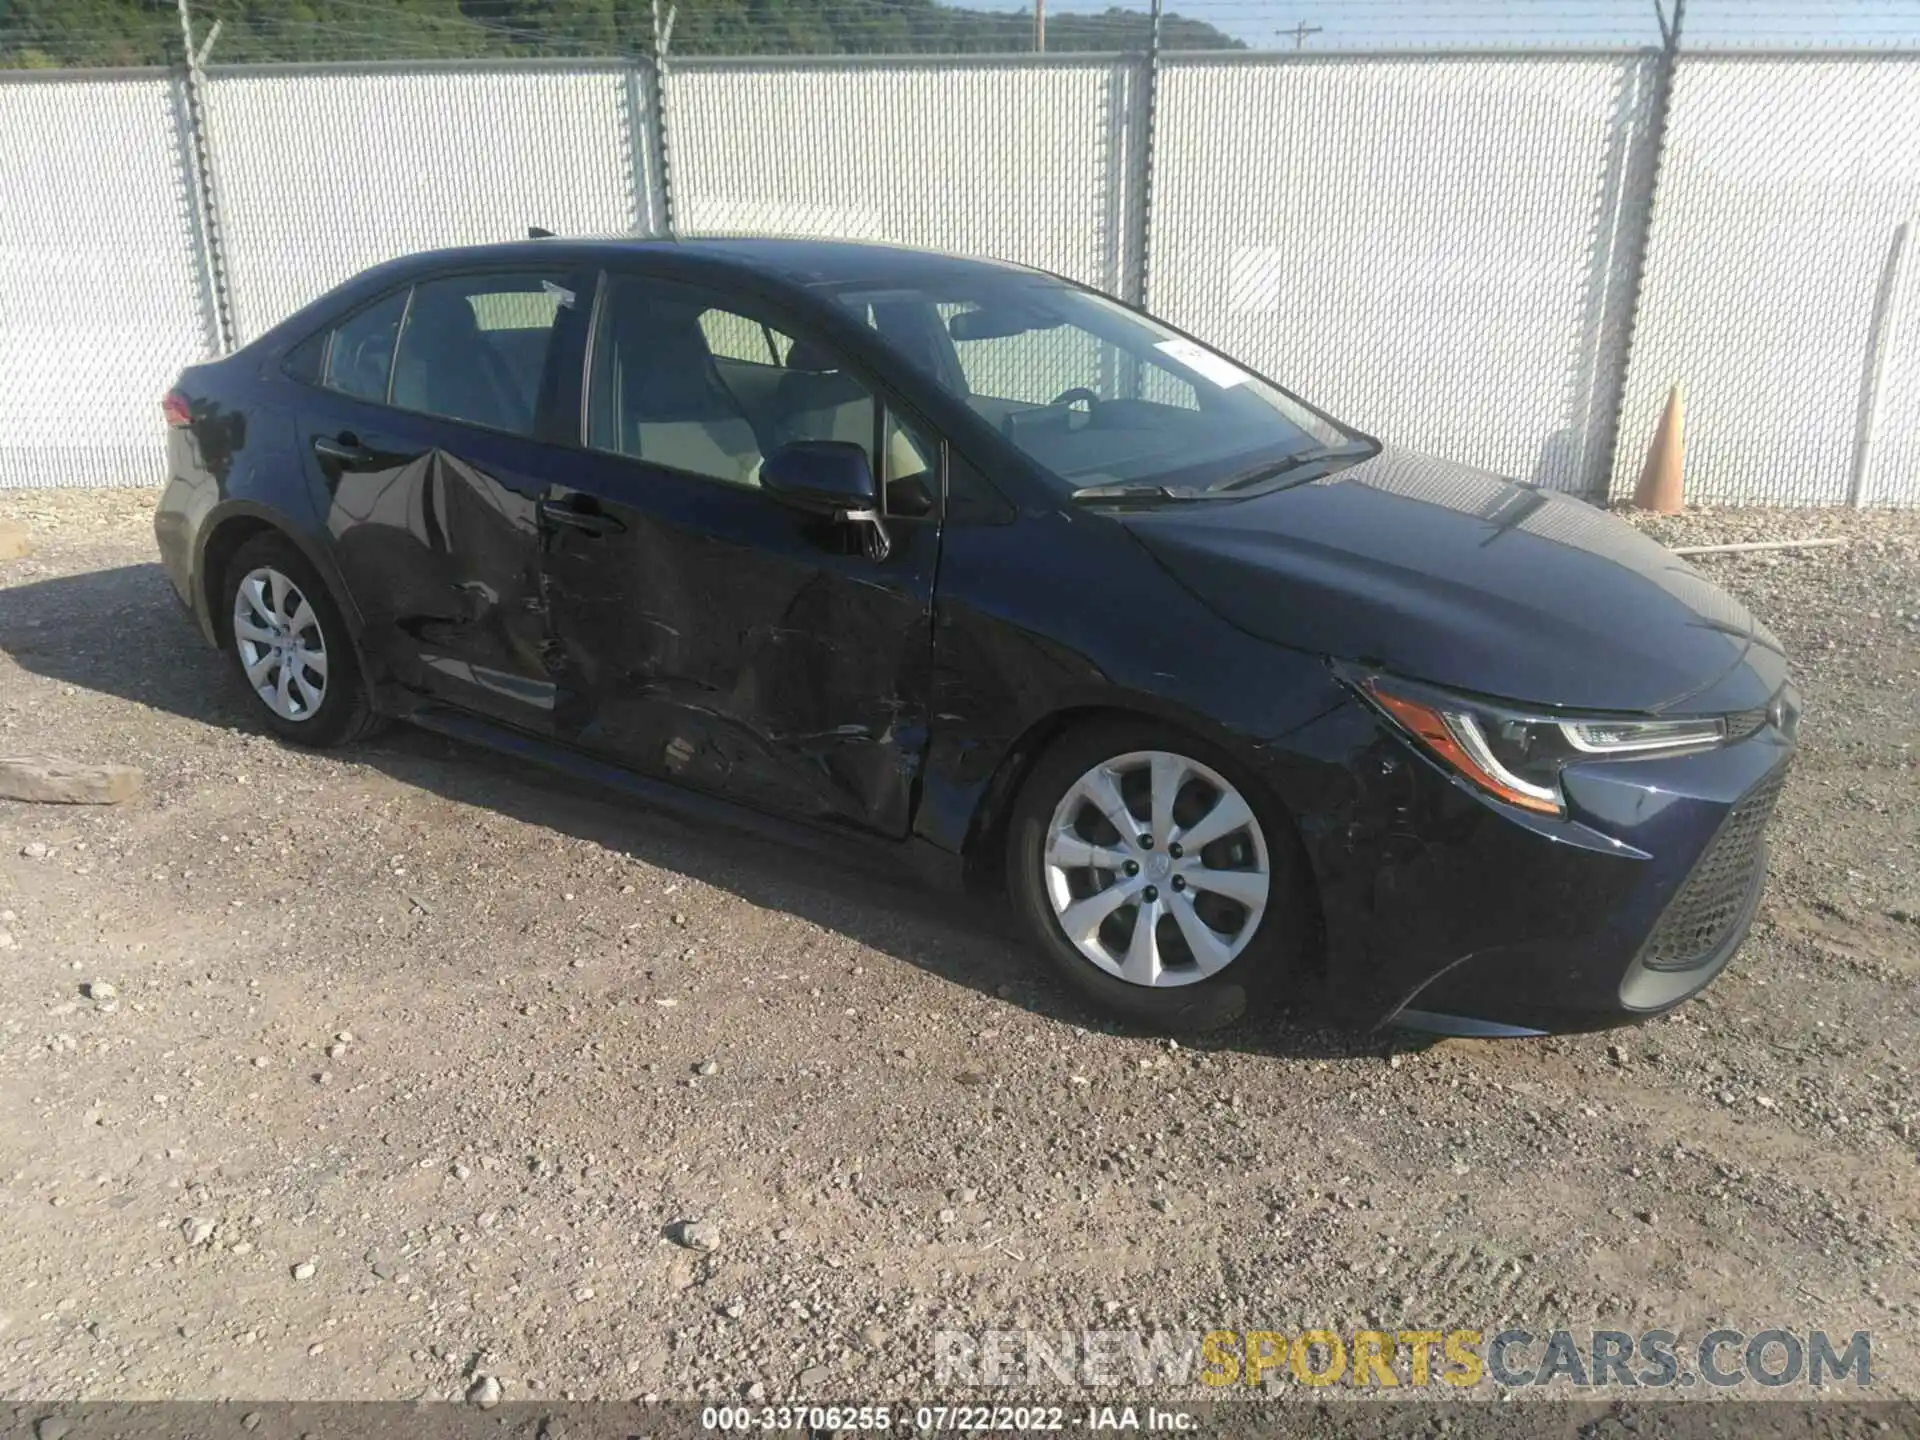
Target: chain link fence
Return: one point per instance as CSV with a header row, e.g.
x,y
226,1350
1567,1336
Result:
x,y
1784,183
319,174
1431,248
1505,258
1014,157
102,299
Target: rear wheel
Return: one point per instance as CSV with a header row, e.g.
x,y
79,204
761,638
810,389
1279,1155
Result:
x,y
1162,881
290,646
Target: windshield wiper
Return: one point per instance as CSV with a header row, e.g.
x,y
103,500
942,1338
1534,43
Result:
x,y
1136,492
1313,454
1266,470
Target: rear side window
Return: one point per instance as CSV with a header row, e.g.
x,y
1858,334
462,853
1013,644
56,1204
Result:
x,y
475,348
304,360
360,356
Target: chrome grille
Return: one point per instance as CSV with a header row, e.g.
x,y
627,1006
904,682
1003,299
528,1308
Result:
x,y
1709,904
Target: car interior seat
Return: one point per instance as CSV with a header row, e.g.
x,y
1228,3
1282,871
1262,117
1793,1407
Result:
x,y
671,406
445,366
819,400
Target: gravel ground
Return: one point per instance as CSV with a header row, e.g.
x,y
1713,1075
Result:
x,y
413,1059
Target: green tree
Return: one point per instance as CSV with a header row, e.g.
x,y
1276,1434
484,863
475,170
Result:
x,y
92,33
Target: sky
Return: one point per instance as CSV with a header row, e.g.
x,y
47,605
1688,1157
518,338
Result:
x,y
1370,24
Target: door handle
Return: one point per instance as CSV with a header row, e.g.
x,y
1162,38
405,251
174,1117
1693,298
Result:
x,y
344,447
569,516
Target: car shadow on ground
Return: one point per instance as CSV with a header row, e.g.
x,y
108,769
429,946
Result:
x,y
121,632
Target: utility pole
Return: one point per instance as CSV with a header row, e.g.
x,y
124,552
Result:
x,y
1039,24
1301,31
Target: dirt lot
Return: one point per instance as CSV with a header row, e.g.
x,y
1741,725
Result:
x,y
904,1128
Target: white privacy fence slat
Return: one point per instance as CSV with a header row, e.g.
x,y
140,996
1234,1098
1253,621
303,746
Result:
x,y
1770,238
101,296
1445,249
1428,248
319,174
1024,161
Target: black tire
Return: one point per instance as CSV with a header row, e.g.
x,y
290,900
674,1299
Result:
x,y
345,712
1274,955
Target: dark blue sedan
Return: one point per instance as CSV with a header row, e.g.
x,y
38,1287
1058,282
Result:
x,y
968,566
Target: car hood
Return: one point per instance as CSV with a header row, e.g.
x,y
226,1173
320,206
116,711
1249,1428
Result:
x,y
1448,574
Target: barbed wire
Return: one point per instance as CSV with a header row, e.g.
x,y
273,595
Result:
x,y
347,30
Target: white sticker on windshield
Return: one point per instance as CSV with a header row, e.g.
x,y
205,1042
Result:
x,y
1204,363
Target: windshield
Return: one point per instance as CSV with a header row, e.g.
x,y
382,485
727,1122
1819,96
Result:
x,y
1097,394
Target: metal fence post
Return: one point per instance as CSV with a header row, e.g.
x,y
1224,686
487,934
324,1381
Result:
x,y
1880,332
1146,118
662,39
206,218
1640,241
643,150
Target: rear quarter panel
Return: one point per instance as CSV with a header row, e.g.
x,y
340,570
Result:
x,y
236,461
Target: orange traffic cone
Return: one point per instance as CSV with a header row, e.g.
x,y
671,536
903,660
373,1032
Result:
x,y
1659,488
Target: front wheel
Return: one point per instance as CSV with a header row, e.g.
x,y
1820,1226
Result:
x,y
1163,882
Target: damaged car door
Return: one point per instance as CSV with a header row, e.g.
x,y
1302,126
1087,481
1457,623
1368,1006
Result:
x,y
703,630
424,437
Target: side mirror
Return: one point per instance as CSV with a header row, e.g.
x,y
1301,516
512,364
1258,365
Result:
x,y
829,477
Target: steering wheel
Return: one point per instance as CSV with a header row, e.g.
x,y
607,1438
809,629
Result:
x,y
1077,392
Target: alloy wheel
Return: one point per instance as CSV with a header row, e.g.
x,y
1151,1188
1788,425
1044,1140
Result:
x,y
282,648
1157,868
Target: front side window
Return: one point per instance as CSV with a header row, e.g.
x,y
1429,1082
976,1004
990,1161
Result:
x,y
1097,394
747,342
360,354
474,348
683,379
910,480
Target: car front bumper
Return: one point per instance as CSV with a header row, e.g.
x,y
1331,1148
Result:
x,y
1447,911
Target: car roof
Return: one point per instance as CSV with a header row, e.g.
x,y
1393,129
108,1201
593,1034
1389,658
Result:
x,y
792,262
792,259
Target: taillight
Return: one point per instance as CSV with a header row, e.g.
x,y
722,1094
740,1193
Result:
x,y
173,405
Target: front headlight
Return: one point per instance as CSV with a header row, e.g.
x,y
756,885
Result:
x,y
1518,756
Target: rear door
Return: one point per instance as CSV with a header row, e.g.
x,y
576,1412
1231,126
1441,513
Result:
x,y
702,630
426,442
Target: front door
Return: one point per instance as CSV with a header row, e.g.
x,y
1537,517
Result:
x,y
703,631
426,452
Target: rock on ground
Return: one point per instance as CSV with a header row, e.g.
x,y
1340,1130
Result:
x,y
47,780
484,1392
695,1234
